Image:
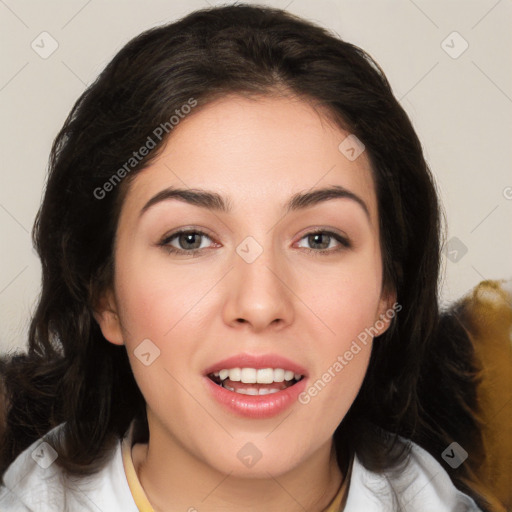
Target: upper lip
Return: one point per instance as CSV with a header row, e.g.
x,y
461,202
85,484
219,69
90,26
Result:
x,y
257,361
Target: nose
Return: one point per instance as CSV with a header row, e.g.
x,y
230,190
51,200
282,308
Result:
x,y
259,294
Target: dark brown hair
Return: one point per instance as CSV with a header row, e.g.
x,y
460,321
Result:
x,y
72,374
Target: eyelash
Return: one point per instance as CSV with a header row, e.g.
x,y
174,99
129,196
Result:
x,y
344,242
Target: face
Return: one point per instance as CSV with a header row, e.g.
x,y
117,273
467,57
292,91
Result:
x,y
270,280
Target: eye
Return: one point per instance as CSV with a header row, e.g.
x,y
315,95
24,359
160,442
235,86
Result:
x,y
190,242
187,241
325,241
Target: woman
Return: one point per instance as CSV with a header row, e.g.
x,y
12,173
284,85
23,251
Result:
x,y
275,362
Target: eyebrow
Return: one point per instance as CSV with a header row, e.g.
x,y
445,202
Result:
x,y
216,202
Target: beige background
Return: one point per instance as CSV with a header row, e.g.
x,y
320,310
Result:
x,y
461,108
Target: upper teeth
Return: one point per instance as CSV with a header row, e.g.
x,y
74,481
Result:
x,y
261,376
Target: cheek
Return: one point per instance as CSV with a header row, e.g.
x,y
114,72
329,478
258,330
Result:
x,y
156,298
166,306
341,353
346,299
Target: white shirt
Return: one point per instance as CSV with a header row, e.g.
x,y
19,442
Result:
x,y
30,486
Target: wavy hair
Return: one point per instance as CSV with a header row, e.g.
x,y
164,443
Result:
x,y
71,374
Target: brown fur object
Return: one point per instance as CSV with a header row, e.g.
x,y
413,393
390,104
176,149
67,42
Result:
x,y
486,313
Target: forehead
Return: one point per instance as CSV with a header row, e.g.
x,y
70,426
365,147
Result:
x,y
254,149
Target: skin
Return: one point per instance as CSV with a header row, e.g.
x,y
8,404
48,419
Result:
x,y
299,304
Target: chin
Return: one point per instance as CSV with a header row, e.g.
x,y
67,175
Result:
x,y
256,459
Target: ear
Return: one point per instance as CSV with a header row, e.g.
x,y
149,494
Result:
x,y
387,310
105,313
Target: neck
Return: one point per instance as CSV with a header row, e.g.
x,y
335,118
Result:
x,y
170,474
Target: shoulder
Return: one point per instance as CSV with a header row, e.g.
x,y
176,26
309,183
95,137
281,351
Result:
x,y
34,483
422,486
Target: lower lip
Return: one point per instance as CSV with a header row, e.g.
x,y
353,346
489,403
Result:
x,y
256,406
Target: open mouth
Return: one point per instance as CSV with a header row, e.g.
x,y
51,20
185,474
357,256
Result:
x,y
252,381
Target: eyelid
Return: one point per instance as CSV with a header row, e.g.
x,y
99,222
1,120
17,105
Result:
x,y
184,230
312,230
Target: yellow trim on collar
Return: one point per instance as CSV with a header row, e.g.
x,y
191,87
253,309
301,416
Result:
x,y
139,496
